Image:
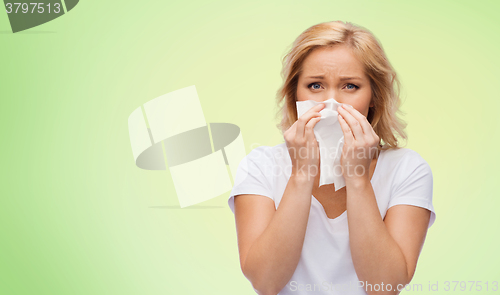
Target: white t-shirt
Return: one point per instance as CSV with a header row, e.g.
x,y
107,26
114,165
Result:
x,y
401,176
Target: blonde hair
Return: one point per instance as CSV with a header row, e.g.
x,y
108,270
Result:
x,y
383,79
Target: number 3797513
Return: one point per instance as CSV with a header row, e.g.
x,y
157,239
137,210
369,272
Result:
x,y
33,8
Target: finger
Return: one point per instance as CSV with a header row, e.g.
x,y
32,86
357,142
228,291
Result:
x,y
348,136
310,128
353,123
363,121
302,121
311,137
365,125
361,118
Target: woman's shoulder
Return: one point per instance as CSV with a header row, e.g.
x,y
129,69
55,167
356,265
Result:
x,y
404,160
399,154
269,154
411,181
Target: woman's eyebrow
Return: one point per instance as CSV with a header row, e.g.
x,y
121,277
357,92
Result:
x,y
316,77
342,78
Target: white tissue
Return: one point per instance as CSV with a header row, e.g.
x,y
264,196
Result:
x,y
330,139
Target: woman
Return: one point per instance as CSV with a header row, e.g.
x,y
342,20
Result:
x,y
295,237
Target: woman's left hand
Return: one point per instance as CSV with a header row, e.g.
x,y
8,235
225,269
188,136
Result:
x,y
360,144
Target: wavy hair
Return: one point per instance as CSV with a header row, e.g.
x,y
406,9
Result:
x,y
364,45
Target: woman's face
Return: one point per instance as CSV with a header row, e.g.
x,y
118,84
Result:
x,y
334,72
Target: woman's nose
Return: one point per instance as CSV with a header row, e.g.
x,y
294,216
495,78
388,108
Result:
x,y
334,96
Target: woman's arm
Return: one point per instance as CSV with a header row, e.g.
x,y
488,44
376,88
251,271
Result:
x,y
270,242
383,251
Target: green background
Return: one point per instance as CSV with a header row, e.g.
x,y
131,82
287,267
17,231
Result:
x,y
78,217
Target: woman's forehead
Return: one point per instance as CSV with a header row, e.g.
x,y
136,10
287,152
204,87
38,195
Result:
x,y
336,61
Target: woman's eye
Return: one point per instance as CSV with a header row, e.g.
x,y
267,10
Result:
x,y
314,86
354,86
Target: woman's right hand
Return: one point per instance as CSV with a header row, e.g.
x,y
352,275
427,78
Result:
x,y
302,145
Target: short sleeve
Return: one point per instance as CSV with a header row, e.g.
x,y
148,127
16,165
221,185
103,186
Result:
x,y
413,184
254,175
